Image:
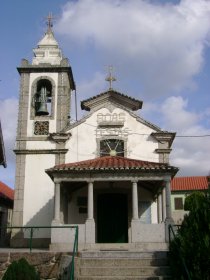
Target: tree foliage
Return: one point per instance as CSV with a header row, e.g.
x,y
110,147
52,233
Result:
x,y
20,270
192,241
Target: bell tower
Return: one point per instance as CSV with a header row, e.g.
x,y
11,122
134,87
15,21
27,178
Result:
x,y
44,109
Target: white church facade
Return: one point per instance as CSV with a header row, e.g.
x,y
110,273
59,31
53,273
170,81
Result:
x,y
108,173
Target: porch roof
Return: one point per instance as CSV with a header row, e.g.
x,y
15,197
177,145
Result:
x,y
112,163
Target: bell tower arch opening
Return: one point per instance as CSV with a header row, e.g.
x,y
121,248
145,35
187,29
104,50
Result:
x,y
43,98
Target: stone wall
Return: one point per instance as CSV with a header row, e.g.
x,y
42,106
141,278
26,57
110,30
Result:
x,y
49,265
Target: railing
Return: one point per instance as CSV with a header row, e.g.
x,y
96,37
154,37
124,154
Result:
x,y
31,234
172,235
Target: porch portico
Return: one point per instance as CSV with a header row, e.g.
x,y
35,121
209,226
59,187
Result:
x,y
112,200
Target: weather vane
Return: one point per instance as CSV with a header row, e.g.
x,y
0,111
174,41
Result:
x,y
110,78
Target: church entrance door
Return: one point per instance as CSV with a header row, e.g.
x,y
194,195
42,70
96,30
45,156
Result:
x,y
112,218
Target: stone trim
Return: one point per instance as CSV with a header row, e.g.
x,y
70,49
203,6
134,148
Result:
x,y
17,219
49,68
63,101
113,96
33,92
23,105
108,176
163,154
42,151
59,137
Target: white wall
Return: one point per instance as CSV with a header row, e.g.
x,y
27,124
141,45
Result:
x,y
39,191
83,142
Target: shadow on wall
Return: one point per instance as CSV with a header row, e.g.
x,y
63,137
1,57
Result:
x,y
41,237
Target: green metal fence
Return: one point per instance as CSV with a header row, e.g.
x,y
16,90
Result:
x,y
31,230
172,229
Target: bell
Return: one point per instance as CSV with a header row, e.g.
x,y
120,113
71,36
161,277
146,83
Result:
x,y
41,102
42,109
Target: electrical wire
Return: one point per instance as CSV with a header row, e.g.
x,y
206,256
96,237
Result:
x,y
145,134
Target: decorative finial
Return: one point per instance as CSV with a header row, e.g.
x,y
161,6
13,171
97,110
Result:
x,y
110,78
49,22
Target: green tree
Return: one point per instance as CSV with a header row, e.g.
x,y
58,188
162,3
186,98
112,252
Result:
x,y
20,270
193,240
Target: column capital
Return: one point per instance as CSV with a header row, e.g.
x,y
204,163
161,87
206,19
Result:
x,y
167,179
90,181
134,181
57,181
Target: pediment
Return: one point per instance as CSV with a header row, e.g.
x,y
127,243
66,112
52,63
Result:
x,y
111,96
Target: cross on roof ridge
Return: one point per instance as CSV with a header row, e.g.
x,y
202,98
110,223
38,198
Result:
x,y
110,78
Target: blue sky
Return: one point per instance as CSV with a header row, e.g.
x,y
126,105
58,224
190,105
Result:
x,y
159,50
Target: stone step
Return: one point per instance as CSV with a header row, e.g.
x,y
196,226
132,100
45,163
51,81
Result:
x,y
143,246
122,262
123,254
124,271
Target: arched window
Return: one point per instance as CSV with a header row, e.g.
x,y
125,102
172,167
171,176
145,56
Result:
x,y
112,147
43,98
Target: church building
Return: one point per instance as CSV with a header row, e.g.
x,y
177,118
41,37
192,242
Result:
x,y
108,172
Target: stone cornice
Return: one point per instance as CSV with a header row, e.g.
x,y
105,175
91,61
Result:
x,y
160,151
111,96
48,68
59,137
41,151
164,136
108,176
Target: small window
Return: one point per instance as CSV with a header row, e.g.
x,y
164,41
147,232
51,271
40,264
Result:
x,y
178,203
112,147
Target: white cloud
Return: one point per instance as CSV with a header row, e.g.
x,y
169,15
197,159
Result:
x,y
160,46
191,154
177,116
8,109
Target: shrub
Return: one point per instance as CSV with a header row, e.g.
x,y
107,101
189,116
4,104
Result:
x,y
193,240
20,270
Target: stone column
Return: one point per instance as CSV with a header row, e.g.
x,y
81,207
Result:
x,y
168,219
160,208
90,200
57,203
168,199
164,204
135,209
90,223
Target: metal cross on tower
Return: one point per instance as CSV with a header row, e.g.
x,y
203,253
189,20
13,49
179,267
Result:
x,y
49,22
110,78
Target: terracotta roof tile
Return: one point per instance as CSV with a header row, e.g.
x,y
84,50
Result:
x,y
112,163
189,183
6,191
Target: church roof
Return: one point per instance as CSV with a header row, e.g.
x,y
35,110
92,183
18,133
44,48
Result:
x,y
111,96
6,191
112,163
193,183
